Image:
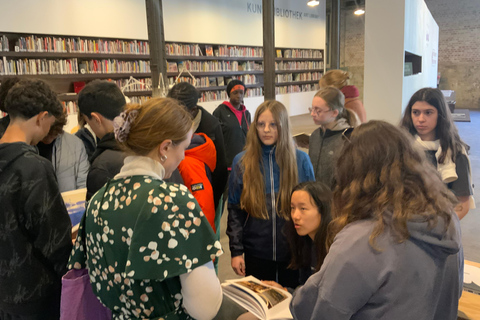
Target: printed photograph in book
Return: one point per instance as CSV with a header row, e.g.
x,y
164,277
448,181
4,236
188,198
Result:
x,y
271,296
75,203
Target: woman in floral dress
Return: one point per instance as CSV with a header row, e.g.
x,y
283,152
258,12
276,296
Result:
x,y
149,247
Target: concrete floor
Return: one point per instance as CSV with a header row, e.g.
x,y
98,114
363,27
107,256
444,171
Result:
x,y
469,132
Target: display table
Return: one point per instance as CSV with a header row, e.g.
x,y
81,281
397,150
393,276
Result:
x,y
469,304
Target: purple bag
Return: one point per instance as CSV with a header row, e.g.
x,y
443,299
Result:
x,y
78,302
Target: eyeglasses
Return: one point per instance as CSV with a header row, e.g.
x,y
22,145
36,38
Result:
x,y
318,111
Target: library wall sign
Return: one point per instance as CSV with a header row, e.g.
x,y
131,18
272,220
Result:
x,y
255,8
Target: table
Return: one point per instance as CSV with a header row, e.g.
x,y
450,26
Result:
x,y
469,304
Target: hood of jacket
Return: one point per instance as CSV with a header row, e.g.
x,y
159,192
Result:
x,y
9,152
108,142
203,149
434,239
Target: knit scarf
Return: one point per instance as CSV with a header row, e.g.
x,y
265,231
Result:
x,y
447,169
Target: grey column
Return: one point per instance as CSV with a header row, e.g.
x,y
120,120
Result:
x,y
156,38
268,8
335,35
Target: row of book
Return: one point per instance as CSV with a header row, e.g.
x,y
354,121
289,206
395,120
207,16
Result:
x,y
115,66
216,66
142,84
305,76
298,65
71,66
38,66
175,49
300,53
139,99
297,88
77,45
70,106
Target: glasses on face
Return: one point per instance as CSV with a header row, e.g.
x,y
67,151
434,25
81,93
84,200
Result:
x,y
318,111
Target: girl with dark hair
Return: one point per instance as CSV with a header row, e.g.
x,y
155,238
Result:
x,y
307,229
395,247
259,196
427,117
336,124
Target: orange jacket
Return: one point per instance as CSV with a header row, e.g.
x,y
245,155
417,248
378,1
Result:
x,y
200,157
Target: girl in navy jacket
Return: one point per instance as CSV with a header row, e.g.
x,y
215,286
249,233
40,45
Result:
x,y
258,204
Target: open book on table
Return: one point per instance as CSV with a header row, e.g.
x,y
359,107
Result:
x,y
265,302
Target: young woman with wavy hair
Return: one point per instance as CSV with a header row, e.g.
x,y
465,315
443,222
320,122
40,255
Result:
x,y
395,240
428,119
258,203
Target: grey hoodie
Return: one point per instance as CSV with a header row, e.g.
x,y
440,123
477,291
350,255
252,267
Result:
x,y
420,278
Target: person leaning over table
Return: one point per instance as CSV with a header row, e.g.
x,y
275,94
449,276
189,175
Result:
x,y
150,247
36,232
395,241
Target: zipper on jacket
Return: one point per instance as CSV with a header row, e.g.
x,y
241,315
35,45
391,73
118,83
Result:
x,y
274,208
320,152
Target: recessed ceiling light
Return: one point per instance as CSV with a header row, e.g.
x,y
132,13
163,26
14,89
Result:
x,y
313,3
359,12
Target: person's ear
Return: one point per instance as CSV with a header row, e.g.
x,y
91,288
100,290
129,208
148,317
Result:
x,y
96,117
164,147
335,113
41,117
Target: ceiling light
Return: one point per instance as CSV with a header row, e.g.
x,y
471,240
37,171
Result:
x,y
359,12
313,3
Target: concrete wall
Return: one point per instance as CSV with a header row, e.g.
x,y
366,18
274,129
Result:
x,y
458,52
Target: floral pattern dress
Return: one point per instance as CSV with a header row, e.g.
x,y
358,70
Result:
x,y
140,235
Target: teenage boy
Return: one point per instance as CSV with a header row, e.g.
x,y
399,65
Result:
x,y
35,230
100,102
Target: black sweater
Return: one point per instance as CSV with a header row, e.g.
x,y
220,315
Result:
x,y
35,231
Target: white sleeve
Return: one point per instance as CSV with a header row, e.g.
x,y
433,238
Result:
x,y
201,291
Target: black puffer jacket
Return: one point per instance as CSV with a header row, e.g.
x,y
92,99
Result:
x,y
107,160
35,232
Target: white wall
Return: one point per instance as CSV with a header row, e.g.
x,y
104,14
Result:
x,y
392,27
384,31
421,38
102,18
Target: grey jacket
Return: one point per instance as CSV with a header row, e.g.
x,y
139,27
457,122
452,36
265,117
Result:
x,y
70,162
420,278
324,148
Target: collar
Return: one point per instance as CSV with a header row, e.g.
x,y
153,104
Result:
x,y
267,149
338,125
242,107
141,166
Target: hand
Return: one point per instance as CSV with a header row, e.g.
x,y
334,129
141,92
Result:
x,y
238,265
273,284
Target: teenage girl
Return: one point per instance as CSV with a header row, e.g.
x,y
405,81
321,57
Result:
x,y
428,119
258,204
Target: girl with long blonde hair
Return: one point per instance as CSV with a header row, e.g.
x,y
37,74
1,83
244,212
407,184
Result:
x,y
259,196
395,244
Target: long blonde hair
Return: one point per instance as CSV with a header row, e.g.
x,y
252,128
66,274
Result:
x,y
253,198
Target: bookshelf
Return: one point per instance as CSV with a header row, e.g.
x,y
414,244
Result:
x,y
62,61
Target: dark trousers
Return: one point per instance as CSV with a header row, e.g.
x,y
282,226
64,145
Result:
x,y
271,270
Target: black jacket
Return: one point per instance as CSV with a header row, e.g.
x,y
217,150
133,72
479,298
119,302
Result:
x,y
107,160
234,135
211,127
4,122
35,231
89,141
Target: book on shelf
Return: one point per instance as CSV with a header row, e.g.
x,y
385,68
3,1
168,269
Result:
x,y
220,81
302,140
279,53
212,82
209,51
75,203
263,301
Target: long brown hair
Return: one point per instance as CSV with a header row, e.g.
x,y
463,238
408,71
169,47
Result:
x,y
382,173
253,198
445,131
